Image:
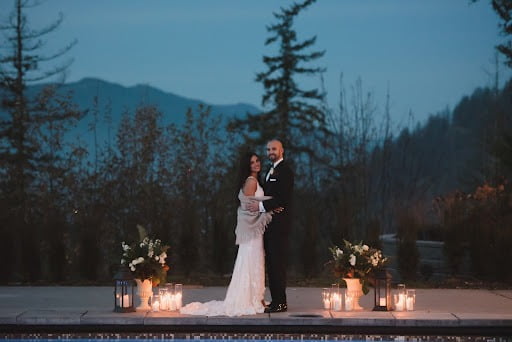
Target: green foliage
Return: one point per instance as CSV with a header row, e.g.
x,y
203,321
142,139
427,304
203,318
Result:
x,y
33,162
293,113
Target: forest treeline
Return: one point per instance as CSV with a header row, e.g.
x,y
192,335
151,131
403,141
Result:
x,y
65,208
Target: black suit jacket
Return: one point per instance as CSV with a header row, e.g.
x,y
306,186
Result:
x,y
280,187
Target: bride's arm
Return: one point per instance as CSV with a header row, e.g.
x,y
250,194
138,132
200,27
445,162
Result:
x,y
250,187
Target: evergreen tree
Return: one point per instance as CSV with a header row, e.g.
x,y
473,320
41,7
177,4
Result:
x,y
502,145
292,113
25,121
504,9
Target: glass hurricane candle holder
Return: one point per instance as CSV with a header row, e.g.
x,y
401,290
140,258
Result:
x,y
400,297
410,300
326,298
155,303
178,295
164,299
336,299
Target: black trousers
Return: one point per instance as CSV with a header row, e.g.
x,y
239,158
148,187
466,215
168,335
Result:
x,y
276,260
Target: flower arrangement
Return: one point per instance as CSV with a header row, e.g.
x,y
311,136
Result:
x,y
146,259
356,261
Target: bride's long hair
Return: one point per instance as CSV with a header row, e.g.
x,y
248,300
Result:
x,y
244,168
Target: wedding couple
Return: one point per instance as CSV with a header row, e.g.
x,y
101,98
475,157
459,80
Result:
x,y
263,224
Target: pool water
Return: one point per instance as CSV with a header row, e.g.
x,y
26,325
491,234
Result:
x,y
354,338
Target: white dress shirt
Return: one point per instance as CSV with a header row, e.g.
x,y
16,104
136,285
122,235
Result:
x,y
262,208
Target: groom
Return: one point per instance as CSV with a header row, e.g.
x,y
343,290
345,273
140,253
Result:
x,y
278,183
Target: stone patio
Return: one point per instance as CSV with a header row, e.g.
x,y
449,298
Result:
x,y
437,311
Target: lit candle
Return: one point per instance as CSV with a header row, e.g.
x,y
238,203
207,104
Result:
x,y
178,295
349,302
382,301
165,302
178,300
400,302
335,302
327,303
409,303
411,299
125,302
326,298
172,303
155,306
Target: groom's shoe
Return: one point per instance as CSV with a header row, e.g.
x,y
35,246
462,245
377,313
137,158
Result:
x,y
276,308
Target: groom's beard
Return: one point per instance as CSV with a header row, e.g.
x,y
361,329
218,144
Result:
x,y
272,157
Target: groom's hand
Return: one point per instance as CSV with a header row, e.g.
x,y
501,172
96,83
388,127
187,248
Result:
x,y
253,206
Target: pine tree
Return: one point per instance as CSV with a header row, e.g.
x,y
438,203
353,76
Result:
x,y
25,121
504,9
292,113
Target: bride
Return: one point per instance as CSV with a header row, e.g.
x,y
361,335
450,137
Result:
x,y
247,287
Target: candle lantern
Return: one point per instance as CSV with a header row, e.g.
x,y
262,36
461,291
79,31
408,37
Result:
x,y
123,290
382,291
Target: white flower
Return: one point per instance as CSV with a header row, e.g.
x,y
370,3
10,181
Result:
x,y
162,258
132,268
352,260
365,247
157,257
122,261
137,261
339,252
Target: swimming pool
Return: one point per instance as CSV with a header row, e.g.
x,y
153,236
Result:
x,y
230,337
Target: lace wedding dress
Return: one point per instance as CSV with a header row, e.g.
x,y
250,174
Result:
x,y
247,286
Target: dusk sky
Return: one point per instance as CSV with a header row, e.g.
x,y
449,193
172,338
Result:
x,y
429,53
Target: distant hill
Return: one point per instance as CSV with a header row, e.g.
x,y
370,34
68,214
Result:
x,y
122,99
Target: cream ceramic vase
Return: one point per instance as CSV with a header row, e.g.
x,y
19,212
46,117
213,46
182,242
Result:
x,y
144,291
354,290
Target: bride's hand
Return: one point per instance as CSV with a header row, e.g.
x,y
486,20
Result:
x,y
253,206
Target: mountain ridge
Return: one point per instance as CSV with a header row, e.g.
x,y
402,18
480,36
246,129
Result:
x,y
122,99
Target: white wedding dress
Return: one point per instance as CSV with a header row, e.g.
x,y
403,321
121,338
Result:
x,y
247,287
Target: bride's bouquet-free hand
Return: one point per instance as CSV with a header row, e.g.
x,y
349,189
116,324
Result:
x,y
146,258
356,261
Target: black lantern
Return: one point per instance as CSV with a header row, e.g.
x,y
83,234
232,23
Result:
x,y
123,290
382,291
